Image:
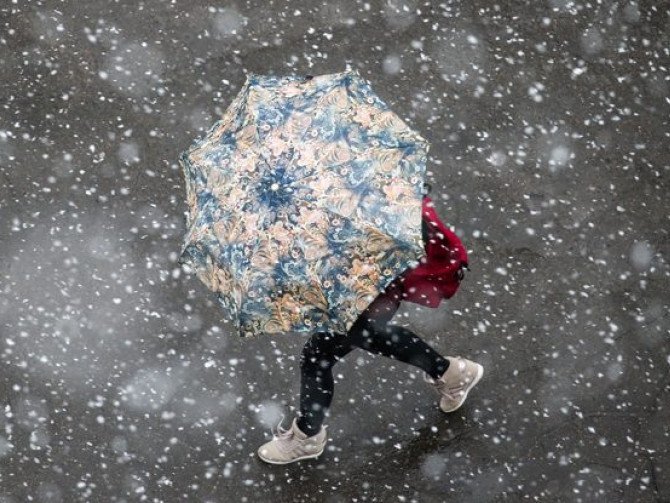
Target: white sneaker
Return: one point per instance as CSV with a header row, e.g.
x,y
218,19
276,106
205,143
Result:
x,y
292,445
455,384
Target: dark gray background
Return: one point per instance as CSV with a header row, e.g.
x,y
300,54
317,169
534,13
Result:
x,y
548,124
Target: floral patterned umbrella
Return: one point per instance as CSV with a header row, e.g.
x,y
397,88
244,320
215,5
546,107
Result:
x,y
304,202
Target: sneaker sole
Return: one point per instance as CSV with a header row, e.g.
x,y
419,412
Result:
x,y
480,374
309,456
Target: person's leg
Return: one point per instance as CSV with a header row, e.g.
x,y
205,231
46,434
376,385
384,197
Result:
x,y
453,378
372,332
317,359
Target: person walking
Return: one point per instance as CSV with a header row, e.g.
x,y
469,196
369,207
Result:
x,y
436,278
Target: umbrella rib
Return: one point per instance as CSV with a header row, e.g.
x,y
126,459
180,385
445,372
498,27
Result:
x,y
380,153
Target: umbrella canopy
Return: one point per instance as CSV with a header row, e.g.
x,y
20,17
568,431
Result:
x,y
304,202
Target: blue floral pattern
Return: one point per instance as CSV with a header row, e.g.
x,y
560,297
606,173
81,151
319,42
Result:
x,y
304,202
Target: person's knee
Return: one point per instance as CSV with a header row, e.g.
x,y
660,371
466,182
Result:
x,y
309,357
375,326
378,336
367,335
316,354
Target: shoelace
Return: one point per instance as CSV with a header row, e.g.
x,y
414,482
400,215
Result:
x,y
285,436
453,393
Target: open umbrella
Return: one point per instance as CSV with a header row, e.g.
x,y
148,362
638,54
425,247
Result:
x,y
304,202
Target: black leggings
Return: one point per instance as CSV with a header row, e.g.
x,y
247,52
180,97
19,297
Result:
x,y
370,332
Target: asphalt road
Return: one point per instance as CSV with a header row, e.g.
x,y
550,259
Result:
x,y
548,124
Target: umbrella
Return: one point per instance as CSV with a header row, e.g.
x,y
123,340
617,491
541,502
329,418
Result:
x,y
304,202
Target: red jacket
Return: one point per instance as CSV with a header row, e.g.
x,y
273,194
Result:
x,y
439,273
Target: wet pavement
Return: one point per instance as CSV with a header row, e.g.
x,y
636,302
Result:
x,y
548,124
